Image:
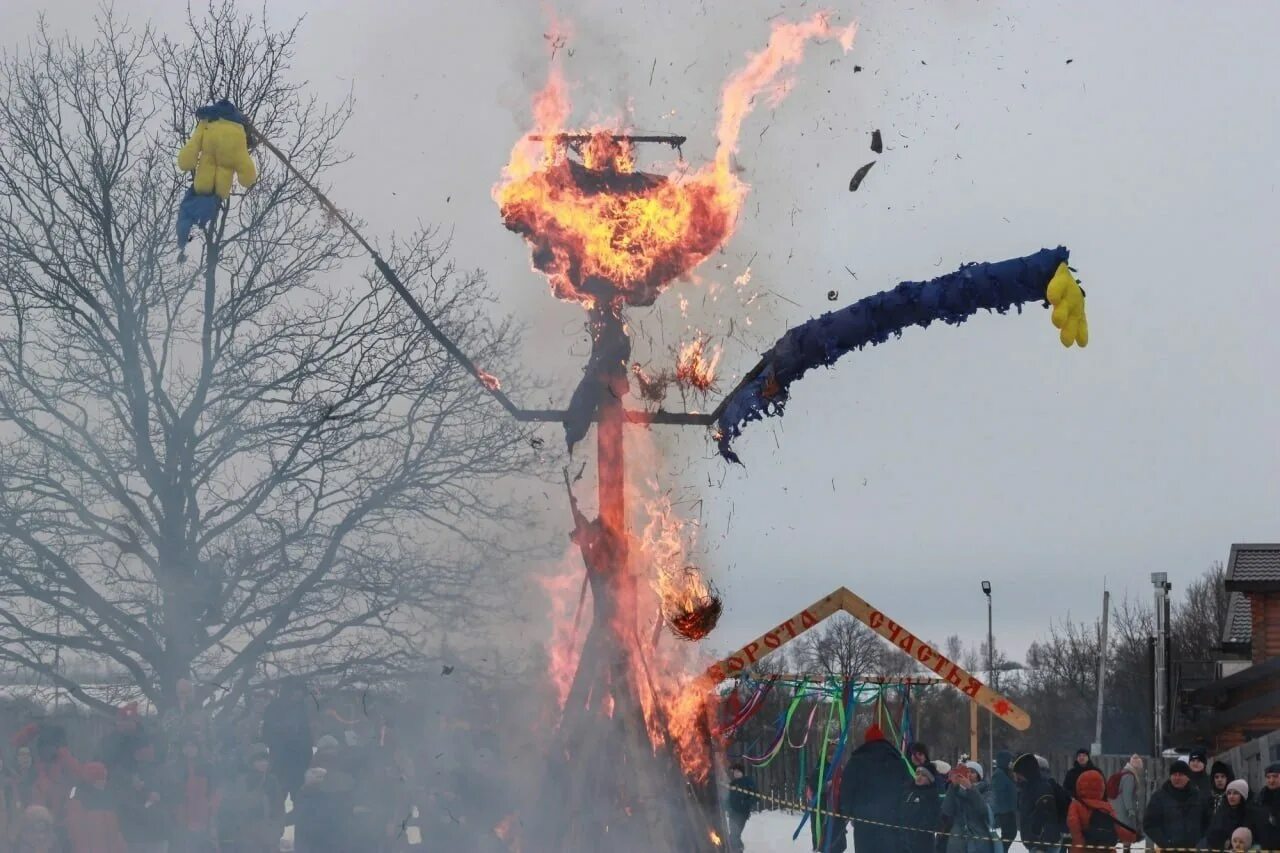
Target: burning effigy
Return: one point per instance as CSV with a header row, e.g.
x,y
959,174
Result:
x,y
610,236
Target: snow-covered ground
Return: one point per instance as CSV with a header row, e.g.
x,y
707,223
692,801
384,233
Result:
x,y
770,832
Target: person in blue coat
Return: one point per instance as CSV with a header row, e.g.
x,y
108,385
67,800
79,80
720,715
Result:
x,y
1004,797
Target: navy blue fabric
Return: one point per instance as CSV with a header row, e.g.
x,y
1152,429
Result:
x,y
952,298
194,210
223,109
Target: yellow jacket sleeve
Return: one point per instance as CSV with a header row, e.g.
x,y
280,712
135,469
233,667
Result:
x,y
189,155
246,169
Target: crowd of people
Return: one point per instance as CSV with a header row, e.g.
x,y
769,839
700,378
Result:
x,y
182,782
911,803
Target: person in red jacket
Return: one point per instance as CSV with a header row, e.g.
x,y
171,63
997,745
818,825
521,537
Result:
x,y
92,825
192,791
56,769
1090,798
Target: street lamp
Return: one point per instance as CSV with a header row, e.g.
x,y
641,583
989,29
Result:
x,y
991,672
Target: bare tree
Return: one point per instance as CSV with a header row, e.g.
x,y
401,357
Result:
x,y
253,464
842,648
1200,619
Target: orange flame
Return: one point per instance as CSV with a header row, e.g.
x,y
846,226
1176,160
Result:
x,y
785,50
681,588
599,219
565,647
601,229
489,380
695,368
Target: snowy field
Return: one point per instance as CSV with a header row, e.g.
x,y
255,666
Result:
x,y
770,832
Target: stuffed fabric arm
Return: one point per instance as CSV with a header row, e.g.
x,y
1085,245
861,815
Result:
x,y
189,155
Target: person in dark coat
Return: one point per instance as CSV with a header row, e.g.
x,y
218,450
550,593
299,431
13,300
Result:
x,y
121,749
741,804
870,789
1198,761
1267,816
1082,763
920,810
1220,775
828,832
1176,816
1234,812
143,820
251,814
286,730
1004,798
1039,816
318,818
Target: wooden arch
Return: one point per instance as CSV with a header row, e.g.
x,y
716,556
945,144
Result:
x,y
843,599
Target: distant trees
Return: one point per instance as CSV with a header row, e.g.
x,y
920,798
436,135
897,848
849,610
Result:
x,y
1057,685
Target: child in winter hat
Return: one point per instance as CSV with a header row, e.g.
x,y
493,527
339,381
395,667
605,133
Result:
x,y
1242,839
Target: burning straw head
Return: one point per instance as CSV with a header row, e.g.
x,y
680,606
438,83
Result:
x,y
692,613
594,218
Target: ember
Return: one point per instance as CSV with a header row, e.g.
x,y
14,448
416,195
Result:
x,y
695,368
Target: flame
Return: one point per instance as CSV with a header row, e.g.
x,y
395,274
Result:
x,y
785,50
488,380
715,838
597,218
602,229
685,595
504,829
695,368
565,645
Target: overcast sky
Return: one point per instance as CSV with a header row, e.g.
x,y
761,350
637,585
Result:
x,y
915,470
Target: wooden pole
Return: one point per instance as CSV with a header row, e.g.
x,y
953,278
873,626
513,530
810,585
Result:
x,y
973,730
1102,671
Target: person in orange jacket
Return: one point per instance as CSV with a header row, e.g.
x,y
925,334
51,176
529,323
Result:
x,y
92,825
1091,819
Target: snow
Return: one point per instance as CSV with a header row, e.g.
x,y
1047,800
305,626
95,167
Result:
x,y
770,832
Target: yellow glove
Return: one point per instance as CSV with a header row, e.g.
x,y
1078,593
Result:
x,y
1067,299
217,151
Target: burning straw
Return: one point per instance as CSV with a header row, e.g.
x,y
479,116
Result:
x,y
693,615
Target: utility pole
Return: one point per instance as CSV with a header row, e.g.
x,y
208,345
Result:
x,y
1102,669
1160,691
991,678
973,730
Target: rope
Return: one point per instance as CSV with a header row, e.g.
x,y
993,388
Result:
x,y
486,381
789,805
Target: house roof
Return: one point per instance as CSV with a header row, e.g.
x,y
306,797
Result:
x,y
1253,568
1239,628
